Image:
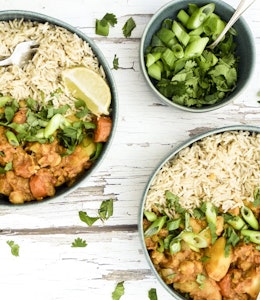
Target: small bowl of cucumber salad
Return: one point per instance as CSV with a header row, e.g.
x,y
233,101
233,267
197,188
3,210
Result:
x,y
181,68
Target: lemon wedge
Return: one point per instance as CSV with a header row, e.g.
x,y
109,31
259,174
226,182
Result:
x,y
89,86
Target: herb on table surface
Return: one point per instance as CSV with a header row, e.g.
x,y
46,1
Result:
x,y
119,291
128,27
78,242
104,213
116,62
152,294
14,248
102,26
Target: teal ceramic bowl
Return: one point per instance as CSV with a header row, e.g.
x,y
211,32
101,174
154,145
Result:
x,y
237,128
41,18
244,40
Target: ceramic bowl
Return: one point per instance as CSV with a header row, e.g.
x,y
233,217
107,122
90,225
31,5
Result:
x,y
245,49
171,156
41,18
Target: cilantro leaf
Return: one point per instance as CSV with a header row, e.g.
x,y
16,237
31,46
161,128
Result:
x,y
78,242
87,219
152,294
119,291
110,18
14,248
106,209
115,62
128,27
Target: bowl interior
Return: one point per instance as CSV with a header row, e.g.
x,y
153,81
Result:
x,y
244,40
33,16
171,156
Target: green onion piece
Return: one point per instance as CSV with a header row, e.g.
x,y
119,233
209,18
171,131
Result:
x,y
211,217
200,15
183,17
254,236
178,51
12,139
168,58
53,125
236,222
155,227
99,147
150,215
180,33
196,48
194,239
154,71
213,26
167,23
249,217
102,27
191,8
161,246
175,246
165,35
151,58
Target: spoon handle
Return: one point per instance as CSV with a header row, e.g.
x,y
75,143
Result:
x,y
242,6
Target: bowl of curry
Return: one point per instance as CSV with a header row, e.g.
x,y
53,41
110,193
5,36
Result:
x,y
55,124
199,219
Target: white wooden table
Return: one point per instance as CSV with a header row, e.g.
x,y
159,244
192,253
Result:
x,y
47,266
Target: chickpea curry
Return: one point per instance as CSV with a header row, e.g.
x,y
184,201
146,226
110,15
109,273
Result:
x,y
43,147
206,253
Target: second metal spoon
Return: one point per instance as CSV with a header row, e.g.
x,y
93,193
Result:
x,y
242,6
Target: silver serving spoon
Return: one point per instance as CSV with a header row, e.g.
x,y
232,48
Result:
x,y
23,52
242,6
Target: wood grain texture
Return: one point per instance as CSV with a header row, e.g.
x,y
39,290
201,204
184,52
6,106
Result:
x,y
147,130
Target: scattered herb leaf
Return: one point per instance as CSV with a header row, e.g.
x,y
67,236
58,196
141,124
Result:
x,y
87,219
152,294
119,291
106,209
78,242
115,62
14,248
128,27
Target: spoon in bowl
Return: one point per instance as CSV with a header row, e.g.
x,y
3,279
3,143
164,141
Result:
x,y
242,7
22,53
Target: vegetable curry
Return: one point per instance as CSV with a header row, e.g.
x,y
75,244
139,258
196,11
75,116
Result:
x,y
43,147
206,253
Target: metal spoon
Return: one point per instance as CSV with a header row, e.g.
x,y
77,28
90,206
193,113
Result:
x,y
23,52
242,6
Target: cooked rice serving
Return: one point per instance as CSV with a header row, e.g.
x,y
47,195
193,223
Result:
x,y
40,79
222,168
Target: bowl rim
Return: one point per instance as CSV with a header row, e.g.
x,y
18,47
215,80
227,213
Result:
x,y
169,156
167,101
6,15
